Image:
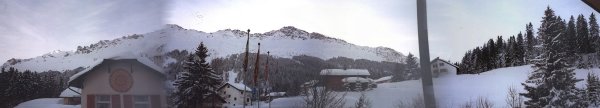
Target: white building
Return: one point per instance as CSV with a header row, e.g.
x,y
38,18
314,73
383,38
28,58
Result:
x,y
121,82
233,93
441,67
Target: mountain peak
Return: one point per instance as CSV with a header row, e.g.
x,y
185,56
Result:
x,y
173,26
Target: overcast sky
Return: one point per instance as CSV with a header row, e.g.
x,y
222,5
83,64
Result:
x,y
30,28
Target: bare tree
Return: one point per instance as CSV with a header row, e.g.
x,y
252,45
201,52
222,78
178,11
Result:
x,y
468,104
319,97
481,102
484,103
363,101
513,99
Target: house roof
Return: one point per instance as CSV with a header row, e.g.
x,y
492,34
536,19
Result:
x,y
342,72
438,59
594,4
143,60
237,86
70,92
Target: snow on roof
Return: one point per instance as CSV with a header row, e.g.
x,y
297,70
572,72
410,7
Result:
x,y
46,103
70,93
142,60
345,72
387,78
238,86
357,79
438,59
276,94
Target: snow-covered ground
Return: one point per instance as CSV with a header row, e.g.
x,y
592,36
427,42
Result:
x,y
46,103
386,95
454,90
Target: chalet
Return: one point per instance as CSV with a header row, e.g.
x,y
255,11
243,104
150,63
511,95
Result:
x,y
235,94
121,82
332,78
441,67
71,96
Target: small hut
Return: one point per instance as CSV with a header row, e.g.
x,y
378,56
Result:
x,y
71,96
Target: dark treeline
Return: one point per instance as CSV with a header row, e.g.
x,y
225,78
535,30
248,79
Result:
x,y
580,38
19,86
287,74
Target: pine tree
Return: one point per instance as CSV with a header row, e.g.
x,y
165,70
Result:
x,y
520,50
412,66
583,35
399,74
552,84
198,81
478,61
509,53
593,89
500,53
530,42
594,32
408,71
491,55
571,39
466,63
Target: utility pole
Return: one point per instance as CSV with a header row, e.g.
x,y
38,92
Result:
x,y
256,72
245,70
426,81
268,90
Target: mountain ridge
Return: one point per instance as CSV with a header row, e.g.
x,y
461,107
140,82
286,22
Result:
x,y
285,42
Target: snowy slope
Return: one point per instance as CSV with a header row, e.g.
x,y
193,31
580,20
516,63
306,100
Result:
x,y
454,90
386,95
285,42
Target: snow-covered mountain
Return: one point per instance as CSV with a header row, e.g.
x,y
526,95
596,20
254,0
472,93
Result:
x,y
285,42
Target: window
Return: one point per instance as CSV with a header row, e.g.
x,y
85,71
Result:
x,y
102,101
234,98
228,96
141,101
441,64
443,70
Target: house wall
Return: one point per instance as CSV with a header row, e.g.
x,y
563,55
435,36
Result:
x,y
334,82
146,81
233,96
439,68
